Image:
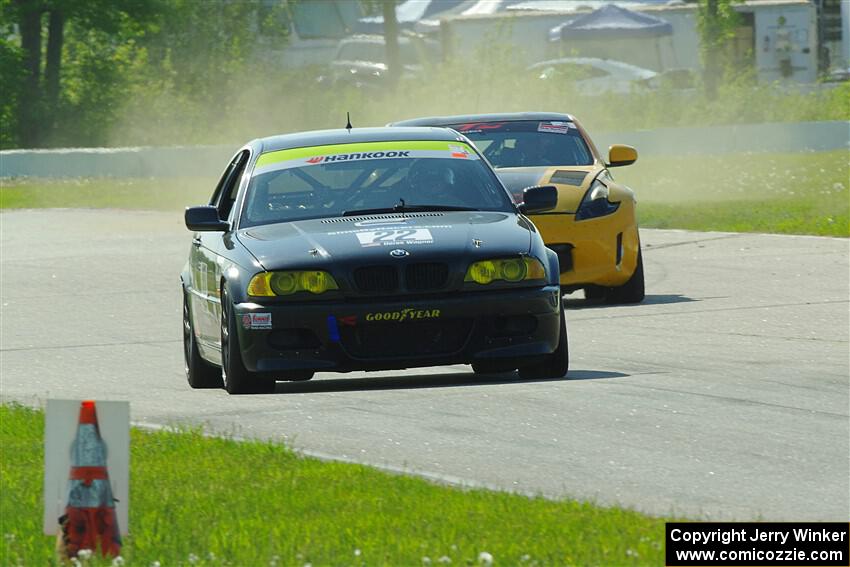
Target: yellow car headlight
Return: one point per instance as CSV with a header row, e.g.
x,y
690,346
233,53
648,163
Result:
x,y
505,269
272,284
481,272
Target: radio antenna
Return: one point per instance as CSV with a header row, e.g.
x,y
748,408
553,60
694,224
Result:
x,y
348,123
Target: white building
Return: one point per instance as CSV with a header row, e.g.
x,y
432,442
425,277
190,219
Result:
x,y
779,35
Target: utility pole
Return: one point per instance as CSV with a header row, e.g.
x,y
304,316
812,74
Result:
x,y
712,44
391,40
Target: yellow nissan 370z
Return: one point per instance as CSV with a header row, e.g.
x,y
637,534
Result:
x,y
594,228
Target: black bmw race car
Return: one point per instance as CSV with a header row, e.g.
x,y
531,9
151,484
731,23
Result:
x,y
367,249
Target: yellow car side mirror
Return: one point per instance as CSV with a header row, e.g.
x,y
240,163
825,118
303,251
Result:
x,y
620,154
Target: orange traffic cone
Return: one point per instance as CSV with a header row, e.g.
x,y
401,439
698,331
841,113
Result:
x,y
89,521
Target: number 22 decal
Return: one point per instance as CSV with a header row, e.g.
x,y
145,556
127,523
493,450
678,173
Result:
x,y
397,236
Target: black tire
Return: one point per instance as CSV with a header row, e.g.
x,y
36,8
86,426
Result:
x,y
632,291
199,372
237,379
595,293
494,367
554,365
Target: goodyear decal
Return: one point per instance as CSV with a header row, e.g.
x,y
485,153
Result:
x,y
303,157
406,314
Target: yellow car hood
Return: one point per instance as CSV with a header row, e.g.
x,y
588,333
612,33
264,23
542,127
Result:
x,y
572,182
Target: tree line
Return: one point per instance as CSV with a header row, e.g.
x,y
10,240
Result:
x,y
68,67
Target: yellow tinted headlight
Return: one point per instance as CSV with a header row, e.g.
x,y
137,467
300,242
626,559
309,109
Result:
x,y
317,282
506,269
481,272
271,284
513,270
259,286
284,283
534,269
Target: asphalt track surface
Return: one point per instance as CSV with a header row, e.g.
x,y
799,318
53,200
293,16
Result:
x,y
723,396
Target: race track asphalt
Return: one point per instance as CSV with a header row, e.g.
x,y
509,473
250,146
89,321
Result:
x,y
723,396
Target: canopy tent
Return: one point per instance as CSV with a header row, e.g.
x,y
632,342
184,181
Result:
x,y
611,21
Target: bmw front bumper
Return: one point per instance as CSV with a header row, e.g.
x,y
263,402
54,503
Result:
x,y
395,333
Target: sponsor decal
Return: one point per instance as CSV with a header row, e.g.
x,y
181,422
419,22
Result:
x,y
380,222
406,314
479,126
358,155
348,320
360,231
554,127
320,155
459,152
394,236
257,320
333,329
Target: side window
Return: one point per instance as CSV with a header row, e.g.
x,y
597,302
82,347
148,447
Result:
x,y
224,177
228,186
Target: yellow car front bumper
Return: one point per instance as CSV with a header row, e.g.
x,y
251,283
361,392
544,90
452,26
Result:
x,y
602,251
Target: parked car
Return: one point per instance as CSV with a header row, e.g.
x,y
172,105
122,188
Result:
x,y
367,249
591,75
361,60
594,227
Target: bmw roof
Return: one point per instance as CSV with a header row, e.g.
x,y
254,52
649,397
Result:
x,y
500,117
353,136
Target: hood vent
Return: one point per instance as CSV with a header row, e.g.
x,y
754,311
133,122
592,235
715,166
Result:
x,y
575,178
380,217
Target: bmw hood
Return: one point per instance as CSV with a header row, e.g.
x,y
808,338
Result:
x,y
572,182
370,239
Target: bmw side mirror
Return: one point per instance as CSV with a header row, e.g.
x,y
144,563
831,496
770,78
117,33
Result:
x,y
204,218
538,199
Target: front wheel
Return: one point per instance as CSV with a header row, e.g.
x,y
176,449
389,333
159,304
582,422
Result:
x,y
199,372
554,365
237,379
632,291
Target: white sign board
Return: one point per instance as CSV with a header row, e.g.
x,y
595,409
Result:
x,y
60,431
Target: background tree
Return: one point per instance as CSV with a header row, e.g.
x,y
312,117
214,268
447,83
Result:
x,y
70,68
717,22
391,39
38,102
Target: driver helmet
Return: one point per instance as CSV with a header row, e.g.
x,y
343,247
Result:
x,y
430,181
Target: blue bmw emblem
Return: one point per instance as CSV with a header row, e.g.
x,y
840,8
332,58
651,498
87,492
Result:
x,y
399,253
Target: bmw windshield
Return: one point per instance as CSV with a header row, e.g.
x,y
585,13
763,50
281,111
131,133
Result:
x,y
528,143
369,178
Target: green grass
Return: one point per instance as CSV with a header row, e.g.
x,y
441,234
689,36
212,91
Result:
x,y
247,503
797,193
102,192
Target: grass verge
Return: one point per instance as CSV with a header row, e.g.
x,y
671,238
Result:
x,y
212,501
798,193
